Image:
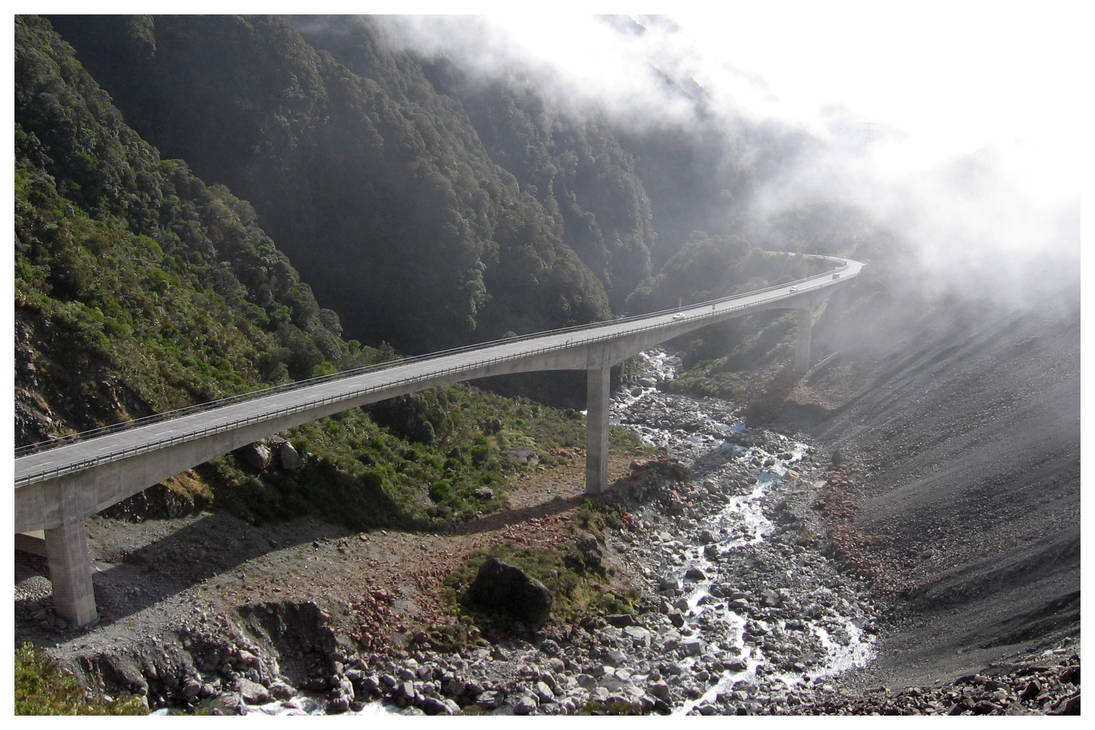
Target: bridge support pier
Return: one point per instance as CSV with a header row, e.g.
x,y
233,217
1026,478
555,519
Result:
x,y
598,390
802,339
70,573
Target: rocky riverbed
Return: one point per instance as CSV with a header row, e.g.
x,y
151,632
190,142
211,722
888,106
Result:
x,y
743,612
743,609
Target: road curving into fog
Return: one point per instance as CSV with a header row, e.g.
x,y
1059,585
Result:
x,y
116,462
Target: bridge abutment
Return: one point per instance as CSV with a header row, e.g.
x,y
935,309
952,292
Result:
x,y
70,573
598,390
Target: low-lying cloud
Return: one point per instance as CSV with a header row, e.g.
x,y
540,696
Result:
x,y
955,127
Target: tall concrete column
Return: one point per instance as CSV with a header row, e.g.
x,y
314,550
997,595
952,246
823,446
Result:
x,y
598,390
802,339
70,573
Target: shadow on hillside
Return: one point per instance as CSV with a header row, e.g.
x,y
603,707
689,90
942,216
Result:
x,y
765,408
211,546
508,518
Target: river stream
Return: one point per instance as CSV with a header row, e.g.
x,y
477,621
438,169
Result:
x,y
749,611
716,443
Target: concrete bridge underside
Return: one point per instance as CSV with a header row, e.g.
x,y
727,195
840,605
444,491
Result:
x,y
58,488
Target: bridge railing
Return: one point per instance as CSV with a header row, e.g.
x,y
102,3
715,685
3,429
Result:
x,y
23,479
300,384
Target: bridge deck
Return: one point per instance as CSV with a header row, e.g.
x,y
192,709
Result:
x,y
560,349
57,488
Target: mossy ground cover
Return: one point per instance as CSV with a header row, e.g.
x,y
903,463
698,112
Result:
x,y
43,688
721,361
378,467
579,588
616,707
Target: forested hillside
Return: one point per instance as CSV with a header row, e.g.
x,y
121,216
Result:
x,y
377,185
427,206
168,195
576,169
139,288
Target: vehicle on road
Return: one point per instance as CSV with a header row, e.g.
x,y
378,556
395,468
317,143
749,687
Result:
x,y
678,315
794,289
836,274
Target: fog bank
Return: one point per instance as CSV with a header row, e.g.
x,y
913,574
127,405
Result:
x,y
957,128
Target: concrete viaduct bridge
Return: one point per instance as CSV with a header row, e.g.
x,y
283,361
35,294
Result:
x,y
57,488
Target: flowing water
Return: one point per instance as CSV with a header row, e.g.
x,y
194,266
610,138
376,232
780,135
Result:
x,y
836,641
745,612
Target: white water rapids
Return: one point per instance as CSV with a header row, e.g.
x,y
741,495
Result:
x,y
741,522
731,626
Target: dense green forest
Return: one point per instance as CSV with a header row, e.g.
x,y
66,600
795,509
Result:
x,y
139,288
206,206
427,206
130,263
375,184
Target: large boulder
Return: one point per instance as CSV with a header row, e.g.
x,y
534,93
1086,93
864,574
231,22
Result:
x,y
503,588
252,693
256,455
523,457
591,549
228,703
288,457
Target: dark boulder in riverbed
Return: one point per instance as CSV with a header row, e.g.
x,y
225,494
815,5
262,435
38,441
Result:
x,y
256,455
501,587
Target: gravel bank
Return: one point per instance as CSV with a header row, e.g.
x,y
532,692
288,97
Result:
x,y
961,437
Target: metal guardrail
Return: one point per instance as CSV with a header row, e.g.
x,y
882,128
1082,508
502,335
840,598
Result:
x,y
40,475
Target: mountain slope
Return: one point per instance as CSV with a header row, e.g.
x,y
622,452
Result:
x,y
394,211
961,423
574,167
129,268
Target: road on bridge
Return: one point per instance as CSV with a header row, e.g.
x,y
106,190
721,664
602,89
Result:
x,y
428,370
57,488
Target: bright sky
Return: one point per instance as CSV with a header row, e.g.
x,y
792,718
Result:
x,y
955,75
945,78
956,71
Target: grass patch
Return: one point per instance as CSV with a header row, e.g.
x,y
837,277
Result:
x,y
578,590
595,517
718,362
707,380
616,707
371,468
43,688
